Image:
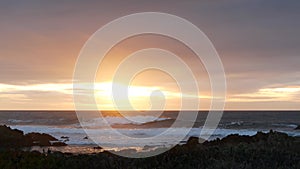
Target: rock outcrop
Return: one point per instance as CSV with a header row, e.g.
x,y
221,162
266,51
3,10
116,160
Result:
x,y
263,150
13,138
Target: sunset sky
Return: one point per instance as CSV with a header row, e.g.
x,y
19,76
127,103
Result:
x,y
258,42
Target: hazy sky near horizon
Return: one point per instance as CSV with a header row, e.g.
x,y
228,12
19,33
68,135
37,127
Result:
x,y
258,42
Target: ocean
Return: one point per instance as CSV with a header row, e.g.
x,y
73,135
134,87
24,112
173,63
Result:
x,y
65,126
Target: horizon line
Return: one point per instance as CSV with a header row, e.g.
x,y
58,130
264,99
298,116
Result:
x,y
65,110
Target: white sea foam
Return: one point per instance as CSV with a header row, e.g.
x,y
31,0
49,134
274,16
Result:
x,y
76,135
19,121
112,120
285,125
61,124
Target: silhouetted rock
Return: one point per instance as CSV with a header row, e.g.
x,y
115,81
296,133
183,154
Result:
x,y
58,144
40,139
298,127
193,141
10,138
97,148
64,137
272,137
263,150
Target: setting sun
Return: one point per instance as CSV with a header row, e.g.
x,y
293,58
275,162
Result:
x,y
140,97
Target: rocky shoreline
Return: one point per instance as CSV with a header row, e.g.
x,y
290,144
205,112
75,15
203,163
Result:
x,y
263,150
16,139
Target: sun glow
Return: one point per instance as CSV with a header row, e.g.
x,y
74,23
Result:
x,y
105,90
138,96
269,94
141,97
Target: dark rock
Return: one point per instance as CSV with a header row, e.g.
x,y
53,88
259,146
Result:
x,y
40,139
97,148
298,127
85,138
192,141
58,144
64,137
263,150
10,138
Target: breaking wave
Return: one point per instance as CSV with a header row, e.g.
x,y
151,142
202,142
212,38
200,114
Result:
x,y
134,120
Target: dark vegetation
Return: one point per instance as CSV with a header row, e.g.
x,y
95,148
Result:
x,y
263,150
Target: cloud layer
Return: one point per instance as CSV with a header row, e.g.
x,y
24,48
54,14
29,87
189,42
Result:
x,y
258,42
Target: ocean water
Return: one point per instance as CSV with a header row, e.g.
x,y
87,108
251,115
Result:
x,y
62,124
